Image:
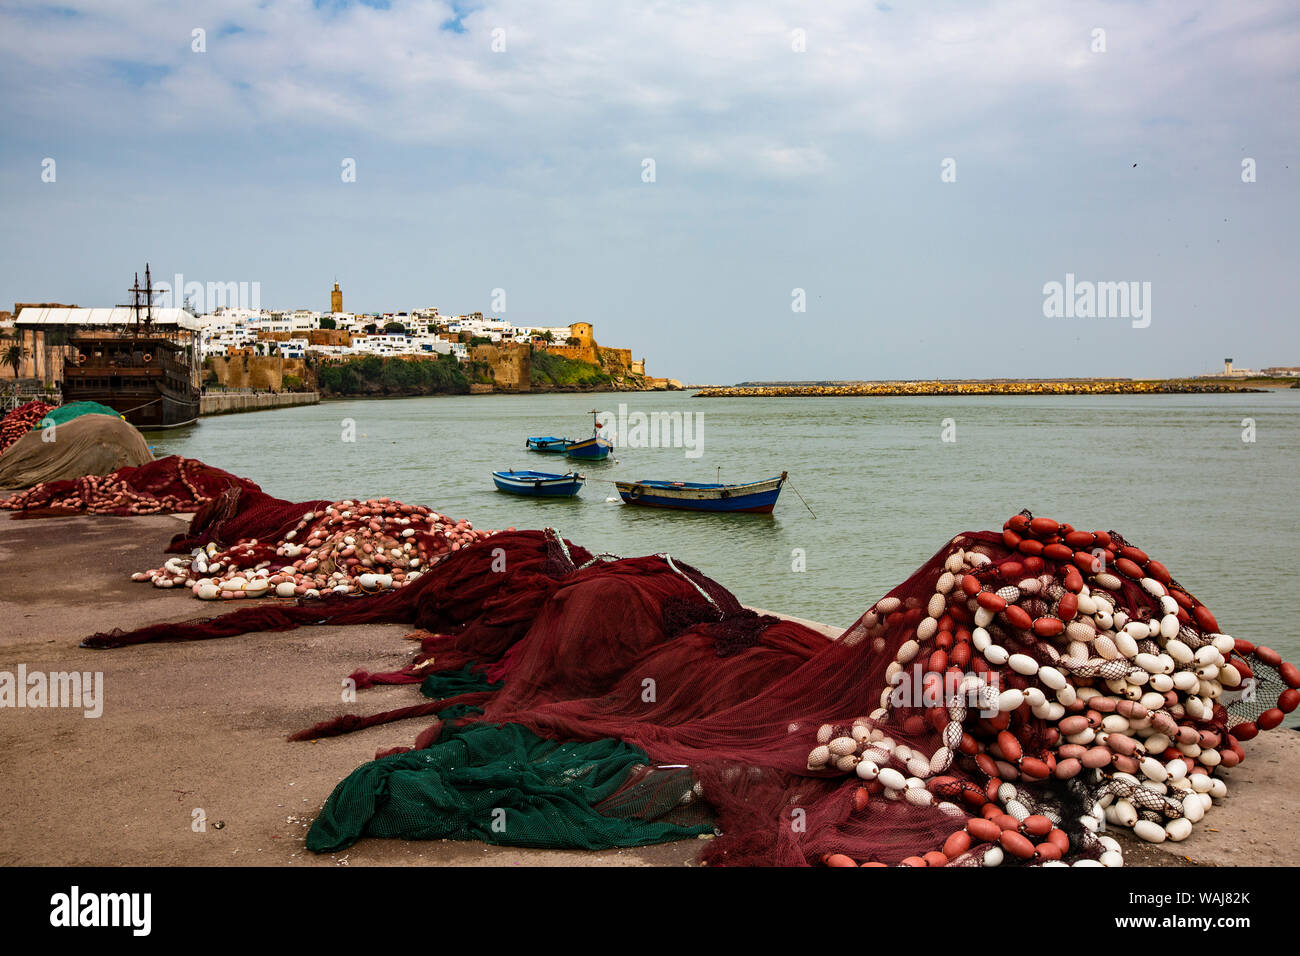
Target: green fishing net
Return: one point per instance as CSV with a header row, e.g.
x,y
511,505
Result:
x,y
66,413
507,786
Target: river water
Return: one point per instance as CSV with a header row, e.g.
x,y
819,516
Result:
x,y
1172,473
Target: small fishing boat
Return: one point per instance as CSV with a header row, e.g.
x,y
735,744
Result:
x,y
594,448
589,449
539,484
547,443
754,496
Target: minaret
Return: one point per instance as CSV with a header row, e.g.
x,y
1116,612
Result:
x,y
336,299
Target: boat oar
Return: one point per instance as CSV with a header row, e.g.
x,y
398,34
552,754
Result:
x,y
796,491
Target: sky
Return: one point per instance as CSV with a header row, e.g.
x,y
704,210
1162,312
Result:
x,y
685,176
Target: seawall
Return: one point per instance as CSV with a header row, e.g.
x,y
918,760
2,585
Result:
x,y
228,403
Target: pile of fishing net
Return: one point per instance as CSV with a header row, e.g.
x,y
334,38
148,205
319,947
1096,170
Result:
x,y
86,444
20,421
345,547
167,485
1019,689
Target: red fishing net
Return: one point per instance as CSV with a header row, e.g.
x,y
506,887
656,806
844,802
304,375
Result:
x,y
1041,679
20,421
166,485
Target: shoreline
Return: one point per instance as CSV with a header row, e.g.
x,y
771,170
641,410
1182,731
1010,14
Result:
x,y
203,725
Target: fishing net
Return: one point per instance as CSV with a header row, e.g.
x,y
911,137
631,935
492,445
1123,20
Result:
x,y
66,413
587,697
167,485
21,420
500,785
89,444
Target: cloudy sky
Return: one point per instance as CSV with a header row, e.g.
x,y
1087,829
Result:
x,y
794,146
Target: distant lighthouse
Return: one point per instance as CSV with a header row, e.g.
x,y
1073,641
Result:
x,y
336,299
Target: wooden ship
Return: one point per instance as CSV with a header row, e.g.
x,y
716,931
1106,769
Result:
x,y
147,374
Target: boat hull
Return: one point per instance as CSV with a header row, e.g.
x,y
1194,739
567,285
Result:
x,y
144,408
757,497
548,445
589,449
532,484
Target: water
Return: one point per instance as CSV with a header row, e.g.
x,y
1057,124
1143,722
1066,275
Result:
x,y
1169,472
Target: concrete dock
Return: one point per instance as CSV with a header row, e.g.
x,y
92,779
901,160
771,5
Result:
x,y
229,403
202,726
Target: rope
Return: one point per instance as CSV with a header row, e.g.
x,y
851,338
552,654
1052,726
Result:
x,y
796,491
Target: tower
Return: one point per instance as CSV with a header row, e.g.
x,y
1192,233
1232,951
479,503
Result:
x,y
336,299
1227,366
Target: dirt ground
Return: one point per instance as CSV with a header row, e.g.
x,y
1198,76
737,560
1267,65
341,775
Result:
x,y
202,726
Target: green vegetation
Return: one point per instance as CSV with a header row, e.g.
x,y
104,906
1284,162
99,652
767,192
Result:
x,y
328,323
373,375
292,383
395,327
548,368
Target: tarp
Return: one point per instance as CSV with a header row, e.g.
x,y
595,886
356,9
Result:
x,y
87,445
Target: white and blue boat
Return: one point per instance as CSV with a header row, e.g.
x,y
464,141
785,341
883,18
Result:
x,y
547,443
539,484
754,496
594,448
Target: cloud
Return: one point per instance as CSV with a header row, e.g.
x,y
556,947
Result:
x,y
576,73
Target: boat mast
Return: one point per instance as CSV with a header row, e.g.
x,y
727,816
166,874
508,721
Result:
x,y
136,294
148,301
135,303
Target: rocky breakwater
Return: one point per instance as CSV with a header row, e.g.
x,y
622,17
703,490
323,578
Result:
x,y
896,389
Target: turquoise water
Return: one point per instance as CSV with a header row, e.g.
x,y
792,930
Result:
x,y
1169,472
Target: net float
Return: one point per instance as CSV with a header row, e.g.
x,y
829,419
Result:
x,y
982,830
1269,719
1016,844
1108,581
957,844
1042,527
1048,626
1129,568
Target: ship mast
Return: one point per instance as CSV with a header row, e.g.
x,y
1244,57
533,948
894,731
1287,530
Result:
x,y
147,293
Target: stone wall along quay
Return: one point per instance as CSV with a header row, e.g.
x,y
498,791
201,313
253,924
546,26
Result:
x,y
229,403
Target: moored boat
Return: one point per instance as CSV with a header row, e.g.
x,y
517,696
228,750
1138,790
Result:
x,y
594,448
547,443
589,449
148,371
754,496
539,484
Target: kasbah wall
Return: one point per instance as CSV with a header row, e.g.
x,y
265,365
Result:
x,y
264,372
616,361
511,365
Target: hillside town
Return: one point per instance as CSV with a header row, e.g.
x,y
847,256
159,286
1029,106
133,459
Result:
x,y
288,350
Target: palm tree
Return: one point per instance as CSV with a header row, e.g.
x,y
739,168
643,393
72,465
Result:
x,y
13,357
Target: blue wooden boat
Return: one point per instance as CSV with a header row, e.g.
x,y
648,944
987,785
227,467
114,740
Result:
x,y
547,443
539,484
589,449
754,496
594,448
